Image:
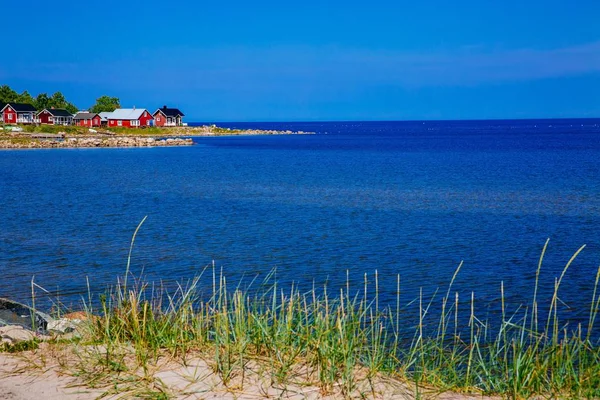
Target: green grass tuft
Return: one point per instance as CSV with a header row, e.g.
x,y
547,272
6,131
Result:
x,y
335,340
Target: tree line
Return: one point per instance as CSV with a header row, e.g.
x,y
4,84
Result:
x,y
56,100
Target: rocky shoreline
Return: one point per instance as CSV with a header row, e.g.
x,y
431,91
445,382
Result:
x,y
213,130
90,142
21,323
153,137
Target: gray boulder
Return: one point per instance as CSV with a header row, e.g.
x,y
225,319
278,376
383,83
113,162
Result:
x,y
12,334
13,313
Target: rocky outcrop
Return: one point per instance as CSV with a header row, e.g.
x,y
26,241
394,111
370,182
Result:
x,y
214,130
21,323
70,322
89,142
63,325
17,314
12,334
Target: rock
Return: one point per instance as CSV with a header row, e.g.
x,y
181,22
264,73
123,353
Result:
x,y
70,322
12,334
80,315
63,325
13,313
130,141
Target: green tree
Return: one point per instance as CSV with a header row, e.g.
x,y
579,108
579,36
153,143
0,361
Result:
x,y
7,95
57,100
25,98
70,107
42,101
106,103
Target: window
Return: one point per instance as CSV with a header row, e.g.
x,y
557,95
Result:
x,y
120,123
10,116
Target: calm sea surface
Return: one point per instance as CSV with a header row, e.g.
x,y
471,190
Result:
x,y
407,198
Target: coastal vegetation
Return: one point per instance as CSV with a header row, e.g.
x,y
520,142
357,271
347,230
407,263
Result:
x,y
72,136
40,102
74,130
56,100
105,104
344,341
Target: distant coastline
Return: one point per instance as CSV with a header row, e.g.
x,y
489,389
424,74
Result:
x,y
44,137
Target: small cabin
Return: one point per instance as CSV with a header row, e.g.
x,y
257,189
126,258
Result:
x,y
168,117
129,117
87,119
55,116
18,113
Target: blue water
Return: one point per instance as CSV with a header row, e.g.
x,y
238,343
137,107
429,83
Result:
x,y
407,198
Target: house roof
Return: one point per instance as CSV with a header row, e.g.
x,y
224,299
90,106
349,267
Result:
x,y
84,115
20,107
127,113
57,112
169,112
105,115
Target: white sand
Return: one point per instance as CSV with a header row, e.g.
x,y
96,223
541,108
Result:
x,y
17,382
37,376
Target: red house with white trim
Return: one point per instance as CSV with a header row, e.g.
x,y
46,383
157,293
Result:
x,y
87,119
129,117
55,116
18,113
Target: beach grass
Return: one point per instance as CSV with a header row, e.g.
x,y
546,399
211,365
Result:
x,y
342,342
338,340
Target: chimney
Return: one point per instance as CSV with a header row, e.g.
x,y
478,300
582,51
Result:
x,y
164,107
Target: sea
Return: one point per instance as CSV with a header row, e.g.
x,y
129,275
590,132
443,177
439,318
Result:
x,y
396,206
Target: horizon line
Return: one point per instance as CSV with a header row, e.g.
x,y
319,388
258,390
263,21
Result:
x,y
399,120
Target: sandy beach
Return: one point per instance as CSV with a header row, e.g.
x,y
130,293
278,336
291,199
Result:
x,y
44,374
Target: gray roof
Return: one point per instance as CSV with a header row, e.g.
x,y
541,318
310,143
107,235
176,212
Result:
x,y
84,115
127,113
105,115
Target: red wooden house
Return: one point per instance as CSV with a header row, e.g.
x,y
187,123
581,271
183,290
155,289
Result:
x,y
129,117
87,119
18,113
168,117
55,116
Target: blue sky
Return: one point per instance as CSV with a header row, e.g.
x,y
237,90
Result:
x,y
313,60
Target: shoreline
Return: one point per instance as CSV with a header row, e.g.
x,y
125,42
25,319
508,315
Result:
x,y
50,137
92,142
296,344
